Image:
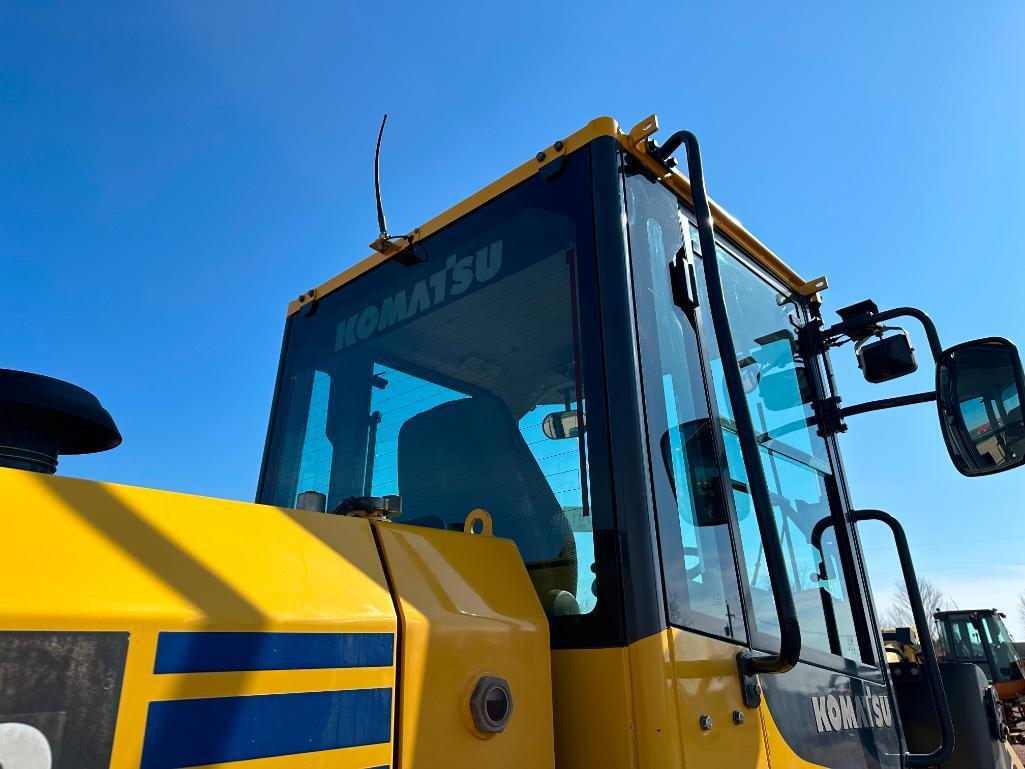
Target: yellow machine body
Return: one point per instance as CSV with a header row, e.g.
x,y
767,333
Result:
x,y
103,558
653,695
467,610
299,597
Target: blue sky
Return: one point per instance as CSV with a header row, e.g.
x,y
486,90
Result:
x,y
172,174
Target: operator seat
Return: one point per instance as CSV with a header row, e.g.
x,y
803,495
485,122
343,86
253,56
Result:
x,y
469,453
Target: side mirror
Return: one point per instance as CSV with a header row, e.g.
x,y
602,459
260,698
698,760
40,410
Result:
x,y
563,424
979,389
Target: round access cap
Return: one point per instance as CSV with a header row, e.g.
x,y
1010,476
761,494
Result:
x,y
491,704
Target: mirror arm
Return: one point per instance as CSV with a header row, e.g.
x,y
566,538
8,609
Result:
x,y
888,403
749,663
939,695
848,327
858,408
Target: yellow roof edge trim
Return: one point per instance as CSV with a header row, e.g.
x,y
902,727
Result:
x,y
602,126
724,221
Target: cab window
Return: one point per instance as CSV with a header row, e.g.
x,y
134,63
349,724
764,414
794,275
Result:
x,y
764,322
698,564
456,382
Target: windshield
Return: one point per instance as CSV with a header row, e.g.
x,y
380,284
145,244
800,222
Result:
x,y
456,383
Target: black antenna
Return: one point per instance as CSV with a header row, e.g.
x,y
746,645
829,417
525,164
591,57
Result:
x,y
407,254
382,224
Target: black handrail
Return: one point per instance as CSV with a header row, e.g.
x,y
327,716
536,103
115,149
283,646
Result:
x,y
932,667
789,628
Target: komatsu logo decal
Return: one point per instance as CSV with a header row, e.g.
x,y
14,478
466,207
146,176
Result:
x,y
836,713
457,276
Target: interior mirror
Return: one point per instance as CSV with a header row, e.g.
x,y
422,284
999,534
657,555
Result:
x,y
750,374
563,424
979,388
887,358
690,449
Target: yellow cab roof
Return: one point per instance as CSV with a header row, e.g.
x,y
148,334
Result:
x,y
634,143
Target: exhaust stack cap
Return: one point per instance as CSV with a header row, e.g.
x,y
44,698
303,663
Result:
x,y
42,417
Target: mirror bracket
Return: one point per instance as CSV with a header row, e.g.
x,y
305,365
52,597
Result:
x,y
860,317
863,320
830,417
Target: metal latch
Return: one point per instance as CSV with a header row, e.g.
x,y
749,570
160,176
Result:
x,y
683,278
370,507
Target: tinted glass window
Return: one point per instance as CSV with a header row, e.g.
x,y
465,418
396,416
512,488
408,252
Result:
x,y
698,562
764,323
434,382
1001,645
967,641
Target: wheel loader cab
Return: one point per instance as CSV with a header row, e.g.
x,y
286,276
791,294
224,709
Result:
x,y
530,357
981,638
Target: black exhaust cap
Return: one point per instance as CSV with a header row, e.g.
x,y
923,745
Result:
x,y
42,418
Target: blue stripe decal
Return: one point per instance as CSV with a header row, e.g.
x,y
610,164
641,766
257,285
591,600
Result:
x,y
224,652
221,729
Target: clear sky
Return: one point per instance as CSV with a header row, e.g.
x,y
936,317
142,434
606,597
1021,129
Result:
x,y
172,174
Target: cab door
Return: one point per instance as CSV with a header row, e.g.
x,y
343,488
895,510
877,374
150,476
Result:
x,y
834,708
696,532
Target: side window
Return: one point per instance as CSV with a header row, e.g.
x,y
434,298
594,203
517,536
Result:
x,y
764,324
697,554
967,641
563,461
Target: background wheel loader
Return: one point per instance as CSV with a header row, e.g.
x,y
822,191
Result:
x,y
978,636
